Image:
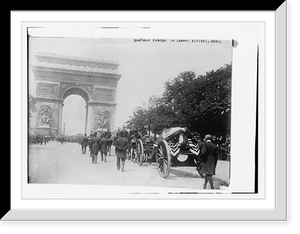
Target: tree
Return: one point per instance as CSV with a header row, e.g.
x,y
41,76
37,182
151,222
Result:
x,y
159,115
202,103
181,94
215,105
138,120
154,117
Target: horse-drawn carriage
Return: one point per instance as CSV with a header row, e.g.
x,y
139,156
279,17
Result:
x,y
174,147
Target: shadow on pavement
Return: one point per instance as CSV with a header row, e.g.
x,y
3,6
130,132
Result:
x,y
183,174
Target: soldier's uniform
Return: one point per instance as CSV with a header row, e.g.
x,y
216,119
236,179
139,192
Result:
x,y
103,148
109,143
84,143
121,145
95,148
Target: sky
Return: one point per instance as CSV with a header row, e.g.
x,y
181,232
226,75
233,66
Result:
x,y
145,65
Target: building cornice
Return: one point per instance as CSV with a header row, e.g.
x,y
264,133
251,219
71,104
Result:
x,y
99,103
76,64
59,70
72,58
47,99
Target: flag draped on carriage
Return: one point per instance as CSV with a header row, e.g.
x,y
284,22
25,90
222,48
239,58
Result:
x,y
178,137
165,150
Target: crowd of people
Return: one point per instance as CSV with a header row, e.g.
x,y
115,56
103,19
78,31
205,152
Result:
x,y
97,142
40,139
44,139
211,148
100,144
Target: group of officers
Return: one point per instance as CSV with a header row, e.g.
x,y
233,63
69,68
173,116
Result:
x,y
97,143
123,142
102,142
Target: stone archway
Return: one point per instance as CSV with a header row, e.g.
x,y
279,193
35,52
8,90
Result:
x,y
75,90
57,77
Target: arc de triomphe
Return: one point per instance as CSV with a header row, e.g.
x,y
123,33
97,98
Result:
x,y
56,77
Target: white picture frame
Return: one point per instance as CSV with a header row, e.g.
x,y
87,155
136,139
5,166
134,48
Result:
x,y
268,204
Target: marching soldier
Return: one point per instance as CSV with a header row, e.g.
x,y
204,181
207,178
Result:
x,y
84,143
109,143
103,147
114,142
95,147
90,143
121,145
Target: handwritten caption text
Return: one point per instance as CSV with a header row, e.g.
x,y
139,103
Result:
x,y
177,40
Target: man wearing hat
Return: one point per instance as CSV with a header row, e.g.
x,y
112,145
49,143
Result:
x,y
209,158
84,143
121,145
95,147
103,147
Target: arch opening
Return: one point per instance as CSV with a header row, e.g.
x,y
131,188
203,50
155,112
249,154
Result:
x,y
76,91
74,111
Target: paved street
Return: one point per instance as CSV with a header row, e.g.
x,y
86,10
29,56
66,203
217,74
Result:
x,y
65,164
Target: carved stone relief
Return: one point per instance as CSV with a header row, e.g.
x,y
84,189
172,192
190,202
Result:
x,y
47,89
104,95
45,116
102,119
89,88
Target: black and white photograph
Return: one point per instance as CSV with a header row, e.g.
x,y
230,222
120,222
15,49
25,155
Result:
x,y
130,111
139,118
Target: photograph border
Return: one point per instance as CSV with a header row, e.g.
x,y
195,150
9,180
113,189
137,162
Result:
x,y
280,211
250,48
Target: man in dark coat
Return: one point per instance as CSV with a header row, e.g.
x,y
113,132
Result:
x,y
109,143
84,143
209,160
121,145
90,143
199,162
114,142
95,148
103,147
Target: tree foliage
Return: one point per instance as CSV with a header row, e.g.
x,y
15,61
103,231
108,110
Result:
x,y
160,114
201,103
139,119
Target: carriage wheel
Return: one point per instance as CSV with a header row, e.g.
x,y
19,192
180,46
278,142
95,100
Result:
x,y
128,154
163,159
140,152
